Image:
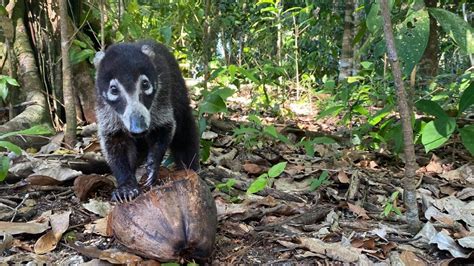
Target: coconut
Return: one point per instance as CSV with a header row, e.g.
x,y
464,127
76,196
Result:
x,y
176,221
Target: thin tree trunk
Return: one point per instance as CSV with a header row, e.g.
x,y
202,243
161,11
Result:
x,y
68,92
355,50
345,62
297,72
409,180
206,42
429,61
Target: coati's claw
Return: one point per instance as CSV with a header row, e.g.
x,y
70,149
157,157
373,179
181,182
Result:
x,y
125,194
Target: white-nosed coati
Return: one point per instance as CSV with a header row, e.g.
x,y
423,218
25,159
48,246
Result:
x,y
142,109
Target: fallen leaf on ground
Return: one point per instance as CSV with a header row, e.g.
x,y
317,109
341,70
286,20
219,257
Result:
x,y
101,208
56,170
435,165
23,228
332,250
225,209
467,242
463,173
59,225
253,169
41,180
114,256
359,211
457,209
465,193
99,227
411,259
445,242
342,177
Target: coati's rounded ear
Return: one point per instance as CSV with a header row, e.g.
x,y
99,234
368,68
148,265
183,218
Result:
x,y
97,58
146,49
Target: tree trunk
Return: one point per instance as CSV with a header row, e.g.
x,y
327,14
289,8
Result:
x,y
206,41
356,48
346,60
29,79
428,66
68,92
409,180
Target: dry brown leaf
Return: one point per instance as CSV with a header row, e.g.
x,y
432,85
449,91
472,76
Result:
x,y
48,242
386,248
463,173
448,190
119,257
342,177
434,213
41,180
111,255
101,208
225,209
45,243
99,227
23,228
411,259
465,193
331,250
435,165
361,212
252,168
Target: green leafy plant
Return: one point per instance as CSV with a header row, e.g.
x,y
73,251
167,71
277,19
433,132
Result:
x,y
261,182
227,186
308,144
391,205
322,180
4,159
80,51
4,82
437,132
254,134
213,102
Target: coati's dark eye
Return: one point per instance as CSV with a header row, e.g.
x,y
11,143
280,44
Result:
x,y
114,90
145,84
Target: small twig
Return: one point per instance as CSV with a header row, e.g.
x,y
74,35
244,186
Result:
x,y
15,211
8,203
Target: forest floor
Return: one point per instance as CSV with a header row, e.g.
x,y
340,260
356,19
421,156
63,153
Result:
x,y
53,204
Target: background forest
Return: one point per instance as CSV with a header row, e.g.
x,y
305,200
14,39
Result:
x,y
295,100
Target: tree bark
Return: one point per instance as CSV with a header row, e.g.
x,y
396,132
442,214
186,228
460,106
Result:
x,y
346,60
409,180
429,61
68,91
29,79
206,41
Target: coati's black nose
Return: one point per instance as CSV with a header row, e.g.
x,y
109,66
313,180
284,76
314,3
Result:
x,y
137,124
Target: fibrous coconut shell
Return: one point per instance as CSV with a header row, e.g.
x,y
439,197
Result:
x,y
176,221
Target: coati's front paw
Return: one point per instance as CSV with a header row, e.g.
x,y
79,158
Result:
x,y
125,193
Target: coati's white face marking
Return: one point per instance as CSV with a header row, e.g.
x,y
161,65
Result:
x,y
136,117
144,84
113,93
